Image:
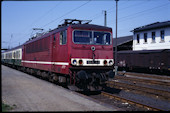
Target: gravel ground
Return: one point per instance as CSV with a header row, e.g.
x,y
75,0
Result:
x,y
27,93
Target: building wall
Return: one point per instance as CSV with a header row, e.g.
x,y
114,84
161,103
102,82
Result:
x,y
150,45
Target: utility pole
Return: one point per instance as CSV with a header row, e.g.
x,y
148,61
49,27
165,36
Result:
x,y
105,15
116,66
10,41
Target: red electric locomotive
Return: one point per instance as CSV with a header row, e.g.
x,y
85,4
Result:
x,y
77,54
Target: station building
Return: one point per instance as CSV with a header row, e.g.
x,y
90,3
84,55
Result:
x,y
153,36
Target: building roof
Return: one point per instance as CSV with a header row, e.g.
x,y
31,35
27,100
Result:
x,y
122,40
152,26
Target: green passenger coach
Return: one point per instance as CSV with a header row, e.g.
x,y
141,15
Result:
x,y
12,57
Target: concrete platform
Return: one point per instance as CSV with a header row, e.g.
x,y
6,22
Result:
x,y
27,93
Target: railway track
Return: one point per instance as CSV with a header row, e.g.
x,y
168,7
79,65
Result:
x,y
132,102
145,75
126,86
146,81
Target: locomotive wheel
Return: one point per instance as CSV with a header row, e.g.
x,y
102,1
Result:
x,y
39,73
50,78
28,70
54,77
44,74
31,71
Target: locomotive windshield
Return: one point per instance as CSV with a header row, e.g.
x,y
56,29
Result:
x,y
91,37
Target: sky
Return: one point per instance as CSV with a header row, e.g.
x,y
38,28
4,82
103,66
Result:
x,y
18,18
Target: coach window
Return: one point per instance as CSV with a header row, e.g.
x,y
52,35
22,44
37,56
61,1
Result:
x,y
17,54
63,37
145,37
14,55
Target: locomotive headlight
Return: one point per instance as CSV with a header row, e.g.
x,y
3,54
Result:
x,y
80,62
105,62
74,62
110,62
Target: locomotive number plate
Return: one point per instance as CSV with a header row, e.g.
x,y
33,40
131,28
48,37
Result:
x,y
93,62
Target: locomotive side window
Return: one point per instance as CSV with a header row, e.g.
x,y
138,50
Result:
x,y
63,37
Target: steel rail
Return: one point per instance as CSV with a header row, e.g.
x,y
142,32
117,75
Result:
x,y
141,105
145,75
157,82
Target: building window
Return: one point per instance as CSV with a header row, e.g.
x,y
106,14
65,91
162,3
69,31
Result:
x,y
63,37
162,35
153,37
138,38
145,37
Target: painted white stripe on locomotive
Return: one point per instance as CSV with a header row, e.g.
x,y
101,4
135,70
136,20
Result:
x,y
41,62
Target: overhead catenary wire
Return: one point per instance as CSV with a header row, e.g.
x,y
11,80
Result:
x,y
45,14
144,11
66,13
139,13
62,15
93,18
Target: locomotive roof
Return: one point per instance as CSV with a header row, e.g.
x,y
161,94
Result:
x,y
91,27
74,26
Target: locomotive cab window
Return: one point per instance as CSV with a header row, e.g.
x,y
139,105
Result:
x,y
83,37
102,38
63,37
91,37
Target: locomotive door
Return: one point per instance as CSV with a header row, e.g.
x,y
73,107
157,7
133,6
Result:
x,y
59,52
54,47
62,52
